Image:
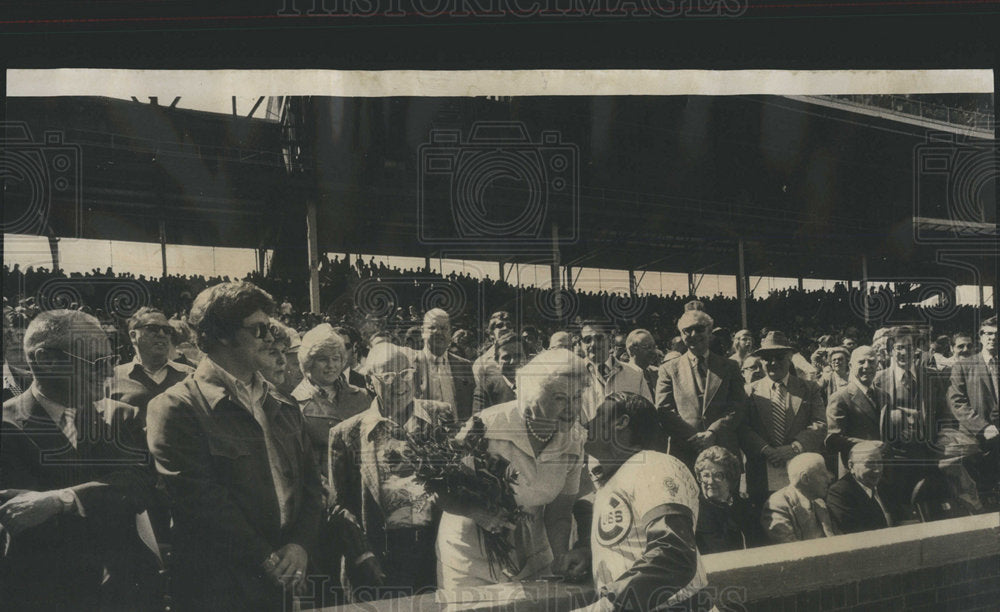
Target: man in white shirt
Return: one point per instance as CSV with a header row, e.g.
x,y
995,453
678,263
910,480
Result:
x,y
445,377
150,372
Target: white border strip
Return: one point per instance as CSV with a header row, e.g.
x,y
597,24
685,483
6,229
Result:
x,y
352,83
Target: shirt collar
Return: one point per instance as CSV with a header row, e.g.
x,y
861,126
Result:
x,y
898,372
137,363
432,358
506,422
986,356
373,417
217,383
869,492
631,364
783,381
52,408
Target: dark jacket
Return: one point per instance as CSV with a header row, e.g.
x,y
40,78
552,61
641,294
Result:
x,y
492,392
972,395
724,527
58,565
131,384
852,417
214,461
852,510
462,381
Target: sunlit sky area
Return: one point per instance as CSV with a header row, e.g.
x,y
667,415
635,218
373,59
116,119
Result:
x,y
143,258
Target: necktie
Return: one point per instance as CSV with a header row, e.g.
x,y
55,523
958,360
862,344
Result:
x,y
67,423
779,413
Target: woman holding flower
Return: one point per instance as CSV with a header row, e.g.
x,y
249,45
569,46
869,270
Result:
x,y
539,434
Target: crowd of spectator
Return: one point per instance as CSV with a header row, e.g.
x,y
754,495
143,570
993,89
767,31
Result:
x,y
265,443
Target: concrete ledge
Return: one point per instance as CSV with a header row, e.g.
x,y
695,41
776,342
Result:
x,y
785,569
743,577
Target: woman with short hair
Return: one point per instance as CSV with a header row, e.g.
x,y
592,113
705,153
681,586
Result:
x,y
726,521
539,434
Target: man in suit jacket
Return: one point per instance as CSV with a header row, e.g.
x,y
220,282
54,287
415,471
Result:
x,y
699,394
245,493
857,501
150,373
909,425
395,513
972,397
854,413
445,377
353,343
798,512
500,388
75,475
637,375
786,417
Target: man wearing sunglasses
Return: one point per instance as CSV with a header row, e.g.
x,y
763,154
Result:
x,y
237,464
151,372
700,395
74,475
397,516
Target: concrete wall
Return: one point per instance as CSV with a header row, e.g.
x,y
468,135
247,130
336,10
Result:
x,y
944,565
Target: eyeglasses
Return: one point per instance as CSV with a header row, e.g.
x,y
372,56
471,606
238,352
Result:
x,y
388,378
706,476
261,330
107,361
153,328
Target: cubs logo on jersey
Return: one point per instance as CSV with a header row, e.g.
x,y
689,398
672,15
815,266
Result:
x,y
615,521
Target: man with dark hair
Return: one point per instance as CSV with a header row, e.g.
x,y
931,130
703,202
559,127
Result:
x,y
962,346
484,366
909,423
509,353
74,477
355,346
972,397
237,463
151,372
645,511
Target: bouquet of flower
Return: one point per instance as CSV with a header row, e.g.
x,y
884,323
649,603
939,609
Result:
x,y
463,474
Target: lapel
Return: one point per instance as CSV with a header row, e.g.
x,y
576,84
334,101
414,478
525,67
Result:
x,y
819,507
983,373
43,432
367,456
685,373
864,405
795,393
713,379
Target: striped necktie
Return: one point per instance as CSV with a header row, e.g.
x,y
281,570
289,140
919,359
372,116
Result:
x,y
67,423
779,413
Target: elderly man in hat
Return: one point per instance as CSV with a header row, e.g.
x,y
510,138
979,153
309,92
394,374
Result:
x,y
786,417
699,395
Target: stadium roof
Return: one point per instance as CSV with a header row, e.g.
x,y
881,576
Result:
x,y
662,183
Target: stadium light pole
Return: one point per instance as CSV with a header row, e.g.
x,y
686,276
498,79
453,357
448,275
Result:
x,y
312,243
741,284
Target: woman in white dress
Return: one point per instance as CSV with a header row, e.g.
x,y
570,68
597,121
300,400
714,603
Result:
x,y
539,433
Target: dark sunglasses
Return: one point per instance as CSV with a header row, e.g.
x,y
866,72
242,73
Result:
x,y
261,330
166,330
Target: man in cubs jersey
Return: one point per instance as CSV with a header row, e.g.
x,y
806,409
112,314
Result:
x,y
642,537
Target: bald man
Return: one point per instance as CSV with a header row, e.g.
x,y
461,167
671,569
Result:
x,y
561,339
854,412
638,374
